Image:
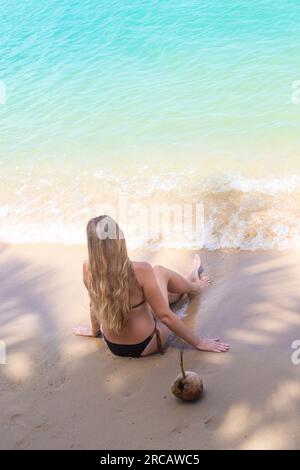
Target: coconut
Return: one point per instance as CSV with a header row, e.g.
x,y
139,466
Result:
x,y
188,385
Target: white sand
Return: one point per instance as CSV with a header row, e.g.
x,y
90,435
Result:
x,y
61,391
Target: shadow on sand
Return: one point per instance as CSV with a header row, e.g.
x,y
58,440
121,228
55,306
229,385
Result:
x,y
77,395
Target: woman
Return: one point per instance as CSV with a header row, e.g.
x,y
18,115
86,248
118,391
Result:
x,y
129,301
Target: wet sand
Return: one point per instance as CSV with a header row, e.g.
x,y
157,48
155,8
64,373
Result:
x,y
59,391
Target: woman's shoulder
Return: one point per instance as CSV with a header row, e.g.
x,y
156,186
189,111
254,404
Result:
x,y
141,270
141,266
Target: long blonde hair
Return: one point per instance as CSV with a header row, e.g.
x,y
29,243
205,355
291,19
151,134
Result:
x,y
110,272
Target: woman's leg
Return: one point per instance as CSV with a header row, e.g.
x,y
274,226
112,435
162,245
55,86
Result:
x,y
162,276
174,284
173,298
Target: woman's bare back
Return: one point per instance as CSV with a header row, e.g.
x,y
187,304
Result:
x,y
140,322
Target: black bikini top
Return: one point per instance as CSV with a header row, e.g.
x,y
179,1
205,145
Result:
x,y
142,302
138,305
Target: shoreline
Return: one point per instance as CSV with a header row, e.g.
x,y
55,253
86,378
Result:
x,y
61,391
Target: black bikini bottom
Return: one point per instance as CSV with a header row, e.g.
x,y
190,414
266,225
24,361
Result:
x,y
135,350
129,350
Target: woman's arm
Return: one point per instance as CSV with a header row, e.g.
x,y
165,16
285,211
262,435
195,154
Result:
x,y
161,308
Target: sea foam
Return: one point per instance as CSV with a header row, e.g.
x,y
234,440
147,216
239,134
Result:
x,y
238,212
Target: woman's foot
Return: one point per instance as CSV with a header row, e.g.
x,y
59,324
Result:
x,y
192,274
199,285
213,345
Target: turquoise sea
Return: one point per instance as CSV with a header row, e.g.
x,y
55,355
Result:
x,y
164,101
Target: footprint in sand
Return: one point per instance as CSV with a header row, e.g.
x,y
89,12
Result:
x,y
42,427
76,446
179,429
57,382
212,422
19,445
132,389
15,419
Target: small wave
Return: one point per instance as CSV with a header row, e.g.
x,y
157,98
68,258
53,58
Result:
x,y
238,212
267,185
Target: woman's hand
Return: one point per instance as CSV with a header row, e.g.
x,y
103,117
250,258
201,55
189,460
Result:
x,y
212,345
83,331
